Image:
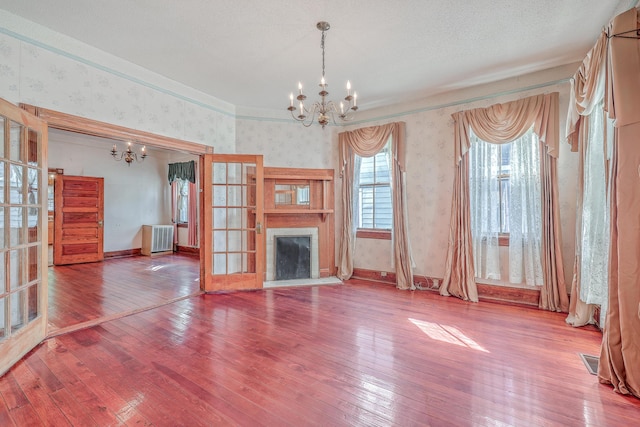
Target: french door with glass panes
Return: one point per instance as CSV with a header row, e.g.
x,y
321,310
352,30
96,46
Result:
x,y
23,230
232,237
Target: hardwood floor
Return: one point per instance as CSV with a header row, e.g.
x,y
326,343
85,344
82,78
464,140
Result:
x,y
353,354
84,293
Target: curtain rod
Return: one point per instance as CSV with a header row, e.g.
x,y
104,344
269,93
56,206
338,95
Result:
x,y
623,36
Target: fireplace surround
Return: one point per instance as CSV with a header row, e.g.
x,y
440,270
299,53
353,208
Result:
x,y
272,233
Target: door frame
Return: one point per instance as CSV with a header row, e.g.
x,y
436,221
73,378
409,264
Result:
x,y
82,125
68,122
77,124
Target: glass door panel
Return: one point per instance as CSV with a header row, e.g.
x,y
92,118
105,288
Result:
x,y
23,287
232,184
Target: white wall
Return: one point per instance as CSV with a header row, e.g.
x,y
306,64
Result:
x,y
47,69
286,143
133,195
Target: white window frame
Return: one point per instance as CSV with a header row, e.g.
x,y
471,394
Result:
x,y
375,231
182,191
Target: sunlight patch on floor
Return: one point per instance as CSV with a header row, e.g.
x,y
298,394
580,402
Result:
x,y
448,334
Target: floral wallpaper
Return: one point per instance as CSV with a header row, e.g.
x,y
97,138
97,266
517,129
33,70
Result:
x,y
9,68
430,173
43,76
287,144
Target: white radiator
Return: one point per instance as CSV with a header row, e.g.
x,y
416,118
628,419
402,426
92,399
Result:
x,y
157,239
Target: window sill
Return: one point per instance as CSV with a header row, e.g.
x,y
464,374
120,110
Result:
x,y
183,225
367,233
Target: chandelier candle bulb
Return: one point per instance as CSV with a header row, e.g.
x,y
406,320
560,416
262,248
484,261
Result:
x,y
355,100
341,108
322,82
291,99
299,88
348,88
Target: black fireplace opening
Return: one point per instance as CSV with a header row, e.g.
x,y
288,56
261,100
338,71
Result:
x,y
293,257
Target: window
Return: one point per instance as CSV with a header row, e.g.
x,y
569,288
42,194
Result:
x,y
492,170
490,182
180,175
505,197
374,190
504,177
182,200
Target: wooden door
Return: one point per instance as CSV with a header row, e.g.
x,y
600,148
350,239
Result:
x,y
79,219
232,237
23,233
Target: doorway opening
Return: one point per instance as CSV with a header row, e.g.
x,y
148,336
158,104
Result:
x,y
90,145
135,197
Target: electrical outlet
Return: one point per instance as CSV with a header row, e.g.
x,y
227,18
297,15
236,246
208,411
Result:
x,y
383,274
436,283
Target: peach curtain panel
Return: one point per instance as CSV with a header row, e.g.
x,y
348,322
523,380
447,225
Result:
x,y
366,142
174,210
620,354
459,275
498,124
553,295
587,90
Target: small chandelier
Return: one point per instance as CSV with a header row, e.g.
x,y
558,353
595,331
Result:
x,y
325,110
128,156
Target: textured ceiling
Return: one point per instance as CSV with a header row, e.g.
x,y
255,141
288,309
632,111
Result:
x,y
252,53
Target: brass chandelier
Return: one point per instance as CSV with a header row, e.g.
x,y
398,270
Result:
x,y
128,155
323,110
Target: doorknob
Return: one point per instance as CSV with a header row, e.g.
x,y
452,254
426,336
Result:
x,y
259,228
100,223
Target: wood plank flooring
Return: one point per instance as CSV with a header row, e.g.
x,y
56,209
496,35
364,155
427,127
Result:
x,y
353,354
82,293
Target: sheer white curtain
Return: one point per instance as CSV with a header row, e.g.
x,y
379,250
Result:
x,y
525,213
484,194
594,267
523,205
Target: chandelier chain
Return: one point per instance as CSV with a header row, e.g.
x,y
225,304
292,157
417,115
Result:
x,y
322,46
